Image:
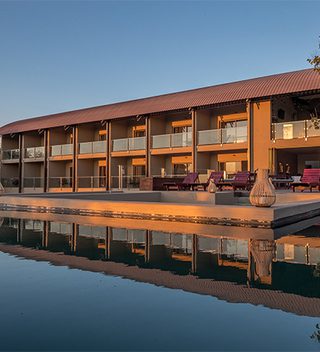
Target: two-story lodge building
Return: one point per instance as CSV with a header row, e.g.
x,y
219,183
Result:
x,y
269,122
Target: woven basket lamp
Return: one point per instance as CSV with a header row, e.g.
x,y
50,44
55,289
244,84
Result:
x,y
263,193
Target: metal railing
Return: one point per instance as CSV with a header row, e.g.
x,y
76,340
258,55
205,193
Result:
x,y
60,182
124,144
62,149
299,254
34,225
93,147
10,182
92,231
137,143
11,154
126,181
173,140
33,182
92,182
296,129
60,227
34,153
223,136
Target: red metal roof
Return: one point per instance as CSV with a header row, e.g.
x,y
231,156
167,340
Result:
x,y
285,83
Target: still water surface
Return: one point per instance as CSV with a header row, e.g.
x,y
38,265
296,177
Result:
x,y
73,286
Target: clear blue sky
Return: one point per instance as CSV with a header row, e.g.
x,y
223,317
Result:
x,y
65,55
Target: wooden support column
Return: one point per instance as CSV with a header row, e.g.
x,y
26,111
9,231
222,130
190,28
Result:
x,y
148,147
194,253
109,238
272,161
45,234
106,244
260,136
147,246
108,156
75,159
250,135
194,140
75,231
20,230
46,161
20,166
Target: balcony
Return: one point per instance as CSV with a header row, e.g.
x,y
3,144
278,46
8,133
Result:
x,y
128,144
11,154
93,147
34,153
296,129
174,140
61,150
223,136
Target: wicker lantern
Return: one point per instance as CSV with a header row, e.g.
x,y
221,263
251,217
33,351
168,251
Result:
x,y
212,188
263,193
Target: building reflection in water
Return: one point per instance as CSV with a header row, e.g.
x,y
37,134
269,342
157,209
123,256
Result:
x,y
286,264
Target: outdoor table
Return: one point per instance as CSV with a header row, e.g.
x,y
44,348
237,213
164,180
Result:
x,y
286,182
225,182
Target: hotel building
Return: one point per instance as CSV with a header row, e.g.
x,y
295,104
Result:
x,y
269,122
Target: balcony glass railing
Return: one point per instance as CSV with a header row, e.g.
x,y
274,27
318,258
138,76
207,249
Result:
x,y
10,182
137,143
92,231
296,129
174,140
63,149
126,181
209,137
223,135
92,182
60,182
93,147
33,182
125,144
11,154
59,227
161,141
34,153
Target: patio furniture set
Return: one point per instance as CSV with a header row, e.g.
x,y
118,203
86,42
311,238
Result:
x,y
244,180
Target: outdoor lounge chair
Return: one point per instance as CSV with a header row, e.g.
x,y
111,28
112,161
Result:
x,y
242,180
310,179
190,179
216,176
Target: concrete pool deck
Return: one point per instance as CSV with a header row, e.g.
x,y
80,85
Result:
x,y
222,208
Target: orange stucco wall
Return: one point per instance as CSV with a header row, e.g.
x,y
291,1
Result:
x,y
261,122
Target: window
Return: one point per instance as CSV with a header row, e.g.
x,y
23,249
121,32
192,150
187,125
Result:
x,y
139,170
232,167
138,131
182,129
102,135
181,169
233,124
281,114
